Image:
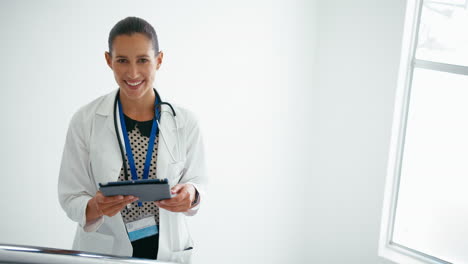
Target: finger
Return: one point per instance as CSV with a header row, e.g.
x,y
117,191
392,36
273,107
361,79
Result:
x,y
111,211
110,199
180,208
181,197
106,208
177,188
117,208
125,202
173,203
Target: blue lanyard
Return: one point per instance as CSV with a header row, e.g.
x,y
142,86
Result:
x,y
128,148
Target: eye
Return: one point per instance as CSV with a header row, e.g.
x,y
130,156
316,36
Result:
x,y
143,60
121,60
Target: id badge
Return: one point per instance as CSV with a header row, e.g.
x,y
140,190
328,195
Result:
x,y
142,228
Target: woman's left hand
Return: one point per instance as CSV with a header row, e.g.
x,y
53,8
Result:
x,y
182,202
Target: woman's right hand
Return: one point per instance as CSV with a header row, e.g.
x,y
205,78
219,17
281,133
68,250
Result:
x,y
101,205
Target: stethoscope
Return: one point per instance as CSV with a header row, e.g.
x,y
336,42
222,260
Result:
x,y
157,117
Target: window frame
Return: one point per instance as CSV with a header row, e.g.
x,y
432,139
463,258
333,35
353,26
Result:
x,y
387,248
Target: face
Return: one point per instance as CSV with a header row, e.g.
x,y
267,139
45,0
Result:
x,y
134,63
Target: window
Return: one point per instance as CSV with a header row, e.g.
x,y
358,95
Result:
x,y
425,214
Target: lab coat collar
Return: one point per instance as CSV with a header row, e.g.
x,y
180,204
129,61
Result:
x,y
106,108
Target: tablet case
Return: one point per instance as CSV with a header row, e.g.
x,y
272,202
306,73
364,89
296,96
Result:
x,y
146,190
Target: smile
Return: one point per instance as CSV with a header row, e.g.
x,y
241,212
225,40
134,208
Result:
x,y
133,84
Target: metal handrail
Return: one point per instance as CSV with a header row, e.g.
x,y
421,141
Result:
x,y
41,255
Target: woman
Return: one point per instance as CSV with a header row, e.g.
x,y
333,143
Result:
x,y
161,141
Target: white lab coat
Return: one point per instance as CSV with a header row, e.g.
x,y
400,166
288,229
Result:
x,y
91,156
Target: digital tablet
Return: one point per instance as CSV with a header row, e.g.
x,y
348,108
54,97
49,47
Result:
x,y
146,190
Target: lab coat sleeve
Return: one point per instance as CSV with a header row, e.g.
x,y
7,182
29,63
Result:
x,y
195,167
75,187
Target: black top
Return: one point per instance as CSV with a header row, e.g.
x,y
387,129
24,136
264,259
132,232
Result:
x,y
143,126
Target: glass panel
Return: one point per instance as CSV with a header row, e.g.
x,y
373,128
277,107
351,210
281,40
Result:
x,y
443,32
432,209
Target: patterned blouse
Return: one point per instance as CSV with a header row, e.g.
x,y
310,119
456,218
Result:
x,y
138,134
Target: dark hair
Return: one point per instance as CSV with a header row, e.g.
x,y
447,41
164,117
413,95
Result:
x,y
132,25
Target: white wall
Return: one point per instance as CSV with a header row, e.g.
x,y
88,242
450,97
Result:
x,y
294,98
357,61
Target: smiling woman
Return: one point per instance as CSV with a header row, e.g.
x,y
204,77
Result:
x,y
123,225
